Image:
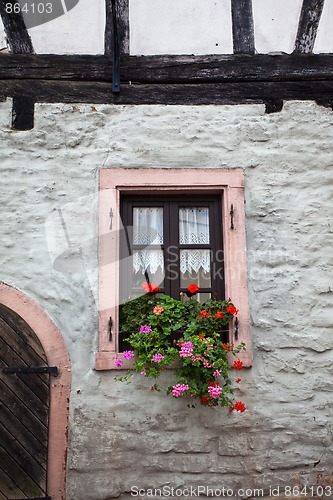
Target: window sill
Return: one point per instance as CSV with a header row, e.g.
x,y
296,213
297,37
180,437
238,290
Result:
x,y
105,360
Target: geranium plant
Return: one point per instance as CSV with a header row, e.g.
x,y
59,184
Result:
x,y
185,335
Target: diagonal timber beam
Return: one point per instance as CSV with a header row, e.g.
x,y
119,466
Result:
x,y
308,25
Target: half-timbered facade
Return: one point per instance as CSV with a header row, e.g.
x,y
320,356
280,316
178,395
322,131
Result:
x,y
115,108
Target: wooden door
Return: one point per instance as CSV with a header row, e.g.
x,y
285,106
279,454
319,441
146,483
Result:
x,y
24,403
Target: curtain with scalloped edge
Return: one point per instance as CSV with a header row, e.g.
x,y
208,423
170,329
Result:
x,y
148,230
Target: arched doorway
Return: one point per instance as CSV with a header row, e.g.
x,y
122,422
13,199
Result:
x,y
34,395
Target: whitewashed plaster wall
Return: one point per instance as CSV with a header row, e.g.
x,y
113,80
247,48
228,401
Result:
x,y
79,31
121,435
274,30
186,27
173,27
324,40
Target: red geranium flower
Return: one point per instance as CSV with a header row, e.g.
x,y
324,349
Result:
x,y
232,310
238,406
150,287
225,347
238,364
204,314
219,315
204,400
193,289
201,336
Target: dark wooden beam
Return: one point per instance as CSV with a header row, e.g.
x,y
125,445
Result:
x,y
308,25
23,113
19,42
273,105
242,26
169,79
123,26
17,35
184,94
325,103
169,69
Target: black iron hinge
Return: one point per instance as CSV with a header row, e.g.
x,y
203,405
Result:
x,y
35,498
110,328
232,213
236,328
52,370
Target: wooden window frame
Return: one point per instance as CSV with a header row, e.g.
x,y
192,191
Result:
x,y
113,183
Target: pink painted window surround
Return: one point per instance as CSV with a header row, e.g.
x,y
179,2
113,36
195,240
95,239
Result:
x,y
116,182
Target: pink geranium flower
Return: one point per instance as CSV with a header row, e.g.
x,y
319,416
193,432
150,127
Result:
x,y
215,391
157,358
118,362
128,354
145,329
179,389
186,349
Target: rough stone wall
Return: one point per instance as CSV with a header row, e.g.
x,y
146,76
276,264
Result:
x,y
125,436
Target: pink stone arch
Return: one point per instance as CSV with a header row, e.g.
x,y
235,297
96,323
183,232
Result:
x,y
57,355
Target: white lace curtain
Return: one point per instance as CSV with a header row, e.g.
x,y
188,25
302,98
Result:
x,y
194,261
148,230
150,260
147,225
193,225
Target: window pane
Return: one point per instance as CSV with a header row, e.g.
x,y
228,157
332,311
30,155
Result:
x,y
194,225
195,268
147,225
151,261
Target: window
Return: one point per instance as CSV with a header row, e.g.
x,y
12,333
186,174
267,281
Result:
x,y
172,242
171,227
